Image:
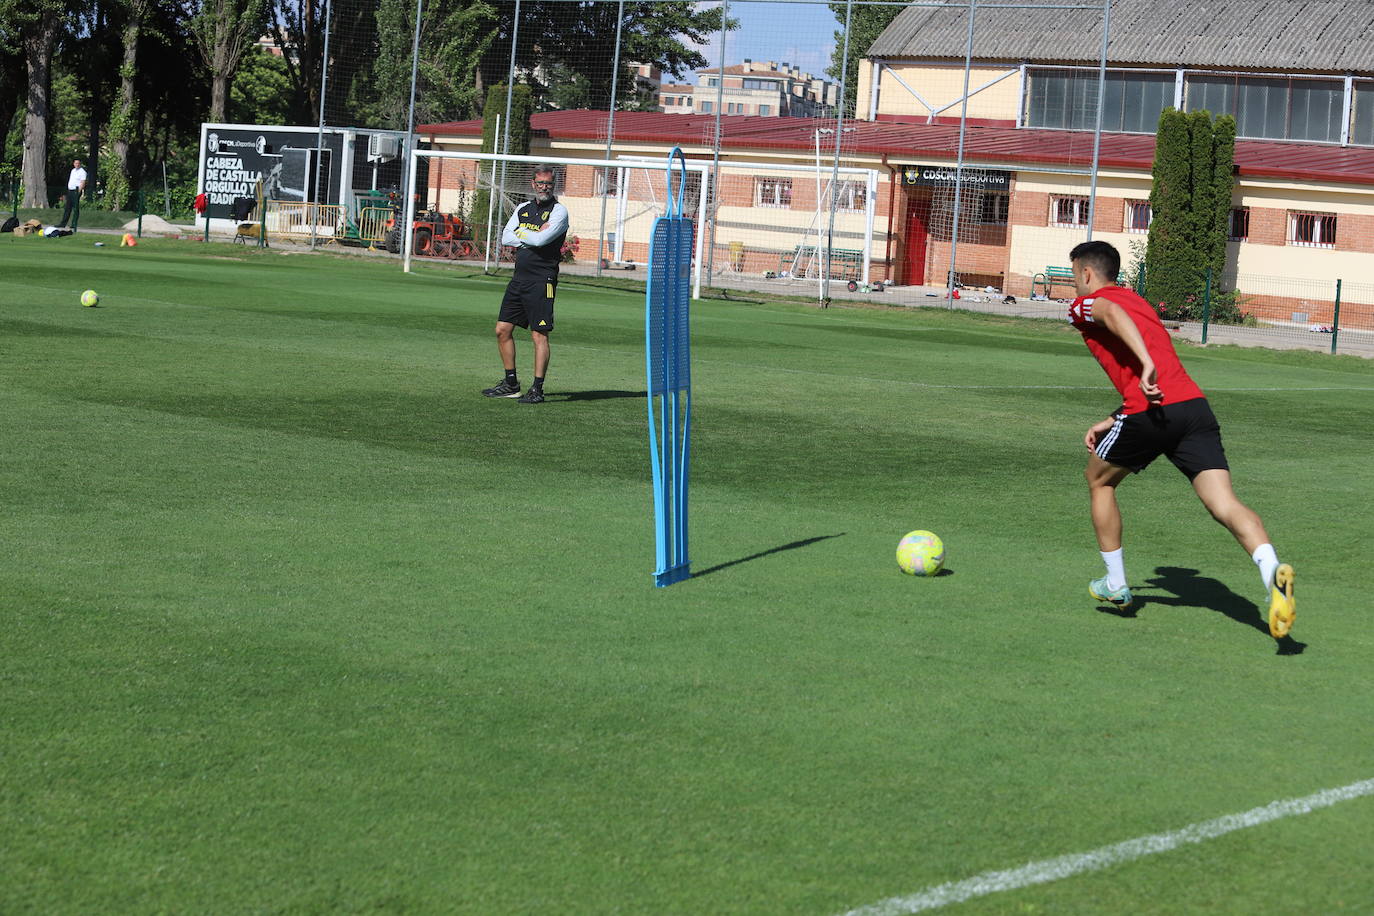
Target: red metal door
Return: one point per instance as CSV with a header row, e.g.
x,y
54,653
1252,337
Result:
x,y
914,241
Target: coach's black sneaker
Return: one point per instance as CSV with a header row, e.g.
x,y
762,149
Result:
x,y
503,390
533,396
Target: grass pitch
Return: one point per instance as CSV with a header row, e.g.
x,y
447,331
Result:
x,y
296,621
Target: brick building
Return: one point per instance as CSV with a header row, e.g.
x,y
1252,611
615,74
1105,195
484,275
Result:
x,y
1302,91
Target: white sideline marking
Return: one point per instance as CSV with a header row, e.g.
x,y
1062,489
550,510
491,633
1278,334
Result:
x,y
1048,870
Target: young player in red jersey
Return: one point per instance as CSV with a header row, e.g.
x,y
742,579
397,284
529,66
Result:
x,y
1163,412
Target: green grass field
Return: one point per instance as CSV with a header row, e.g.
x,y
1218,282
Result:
x,y
296,621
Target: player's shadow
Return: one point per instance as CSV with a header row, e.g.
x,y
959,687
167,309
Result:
x,y
1189,589
805,542
604,395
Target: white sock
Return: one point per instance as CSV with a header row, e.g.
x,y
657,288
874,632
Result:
x,y
1116,568
1267,561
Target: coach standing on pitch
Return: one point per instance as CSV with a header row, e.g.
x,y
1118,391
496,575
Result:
x,y
536,229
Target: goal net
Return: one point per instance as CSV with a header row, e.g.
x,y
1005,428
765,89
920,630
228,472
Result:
x,y
793,227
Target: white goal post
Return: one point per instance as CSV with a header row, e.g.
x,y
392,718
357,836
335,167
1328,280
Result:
x,y
742,234
655,169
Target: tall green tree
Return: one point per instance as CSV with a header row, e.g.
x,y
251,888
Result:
x,y
1191,200
261,91
223,31
494,129
866,24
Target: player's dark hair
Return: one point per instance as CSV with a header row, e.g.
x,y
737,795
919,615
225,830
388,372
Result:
x,y
1100,256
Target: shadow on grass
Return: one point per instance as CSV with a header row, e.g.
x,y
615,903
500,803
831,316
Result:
x,y
805,542
597,395
1192,590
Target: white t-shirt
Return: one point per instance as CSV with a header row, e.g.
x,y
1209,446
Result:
x,y
74,180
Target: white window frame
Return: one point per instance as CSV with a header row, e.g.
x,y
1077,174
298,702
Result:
x,y
1004,207
1231,225
1130,212
775,193
851,195
1080,211
1319,226
607,183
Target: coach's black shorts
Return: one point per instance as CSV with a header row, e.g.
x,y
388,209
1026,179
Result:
x,y
1187,433
528,303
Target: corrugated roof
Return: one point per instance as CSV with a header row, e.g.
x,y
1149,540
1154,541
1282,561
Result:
x,y
1325,36
909,143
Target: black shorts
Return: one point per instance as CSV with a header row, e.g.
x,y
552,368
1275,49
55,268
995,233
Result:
x,y
528,303
1187,433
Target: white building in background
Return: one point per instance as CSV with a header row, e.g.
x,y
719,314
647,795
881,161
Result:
x,y
762,88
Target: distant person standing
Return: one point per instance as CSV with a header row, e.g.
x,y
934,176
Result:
x,y
76,183
536,229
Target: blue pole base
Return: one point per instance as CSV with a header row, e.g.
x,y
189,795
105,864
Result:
x,y
676,574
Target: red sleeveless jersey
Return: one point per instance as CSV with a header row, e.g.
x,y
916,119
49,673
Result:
x,y
1116,358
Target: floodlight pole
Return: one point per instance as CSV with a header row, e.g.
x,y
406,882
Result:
x,y
959,163
715,141
407,162
319,135
610,140
1101,98
839,137
502,144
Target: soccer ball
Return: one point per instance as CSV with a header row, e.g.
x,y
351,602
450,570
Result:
x,y
90,298
920,553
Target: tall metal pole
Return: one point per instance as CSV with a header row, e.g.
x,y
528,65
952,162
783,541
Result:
x,y
414,73
1101,100
319,134
610,140
839,136
715,141
959,165
502,143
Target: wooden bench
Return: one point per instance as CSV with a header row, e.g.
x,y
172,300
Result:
x,y
1051,276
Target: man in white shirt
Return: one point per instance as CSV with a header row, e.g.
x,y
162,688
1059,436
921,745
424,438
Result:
x,y
76,183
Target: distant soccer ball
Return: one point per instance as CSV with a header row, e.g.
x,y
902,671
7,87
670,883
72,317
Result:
x,y
90,298
920,553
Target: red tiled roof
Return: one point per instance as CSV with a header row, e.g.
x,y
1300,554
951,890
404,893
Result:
x,y
908,142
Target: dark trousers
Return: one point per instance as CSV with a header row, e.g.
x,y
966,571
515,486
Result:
x,y
73,206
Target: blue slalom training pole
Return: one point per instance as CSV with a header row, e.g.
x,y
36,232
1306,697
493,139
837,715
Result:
x,y
667,358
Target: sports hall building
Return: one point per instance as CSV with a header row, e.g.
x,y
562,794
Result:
x,y
1297,76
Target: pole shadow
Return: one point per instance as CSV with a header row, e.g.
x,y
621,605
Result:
x,y
805,542
604,395
1189,589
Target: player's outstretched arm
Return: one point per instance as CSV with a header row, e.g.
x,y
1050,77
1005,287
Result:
x,y
1115,319
556,225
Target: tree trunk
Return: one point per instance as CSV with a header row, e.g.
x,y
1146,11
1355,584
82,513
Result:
x,y
123,122
38,45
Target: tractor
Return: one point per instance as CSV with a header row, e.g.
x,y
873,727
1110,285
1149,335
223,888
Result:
x,y
435,235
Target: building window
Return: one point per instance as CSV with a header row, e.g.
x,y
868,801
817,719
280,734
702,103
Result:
x,y
706,107
994,209
1068,99
1312,230
1362,113
1274,108
851,195
607,182
772,192
1139,215
1068,211
766,110
1240,224
708,81
760,84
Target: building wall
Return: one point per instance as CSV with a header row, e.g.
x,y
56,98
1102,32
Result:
x,y
940,86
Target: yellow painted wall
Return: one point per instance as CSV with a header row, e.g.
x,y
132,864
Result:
x,y
940,86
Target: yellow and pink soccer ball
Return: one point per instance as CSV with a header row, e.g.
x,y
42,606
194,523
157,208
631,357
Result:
x,y
920,553
90,298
